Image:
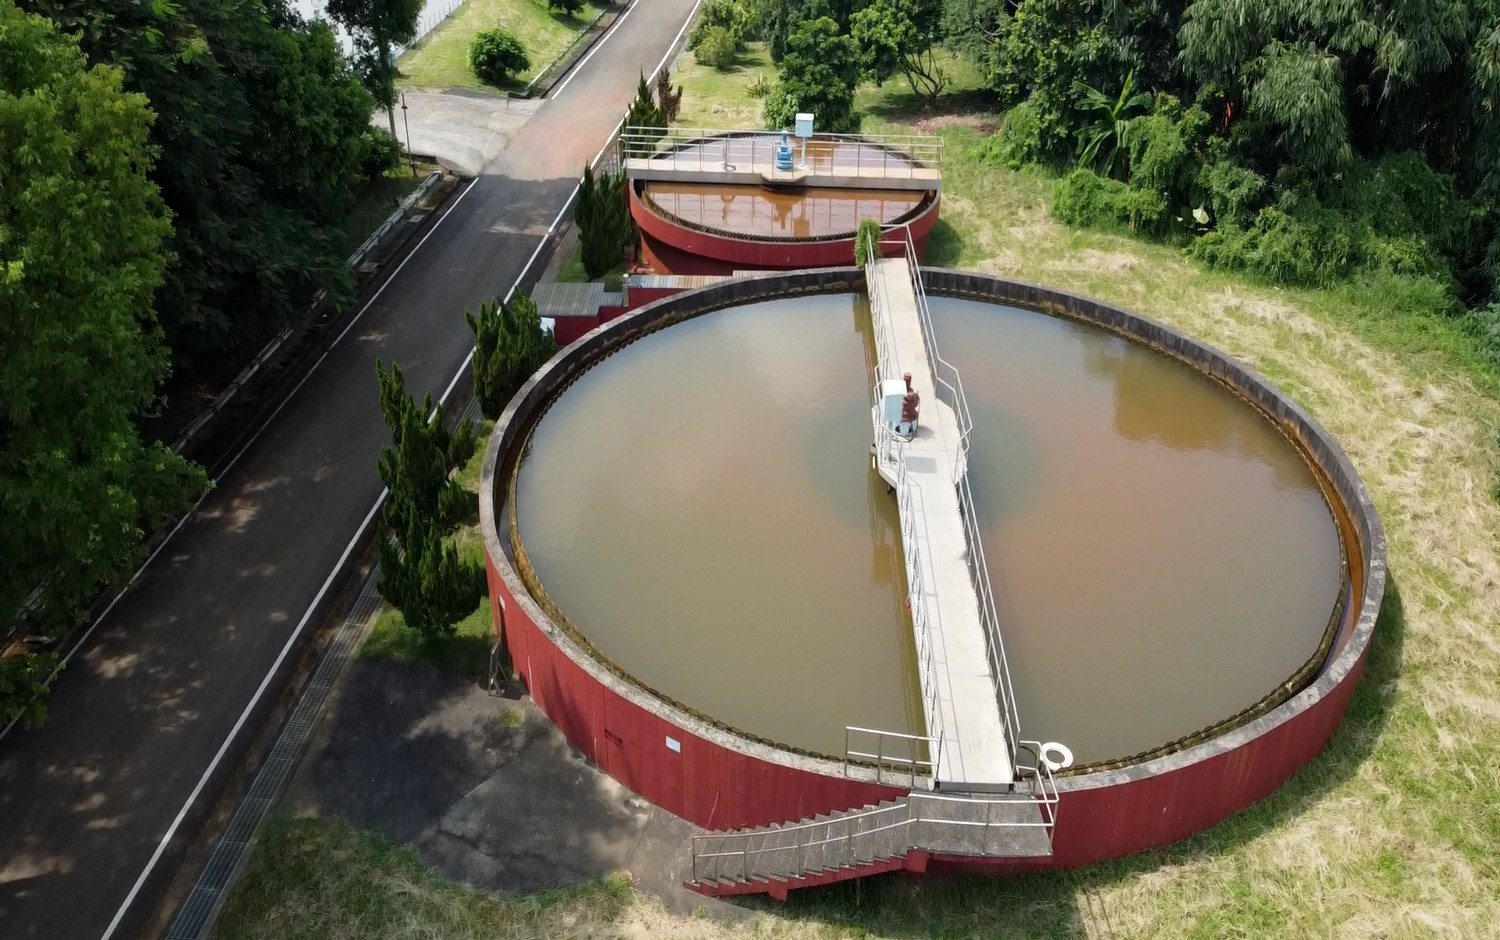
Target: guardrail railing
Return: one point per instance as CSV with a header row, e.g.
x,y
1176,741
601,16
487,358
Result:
x,y
949,386
894,156
889,749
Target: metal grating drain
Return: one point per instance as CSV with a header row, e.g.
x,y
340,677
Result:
x,y
197,912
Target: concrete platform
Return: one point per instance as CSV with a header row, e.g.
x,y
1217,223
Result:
x,y
975,744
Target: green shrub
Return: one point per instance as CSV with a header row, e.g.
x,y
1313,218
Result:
x,y
866,237
1165,149
495,55
570,7
1312,246
721,18
760,86
1017,142
1487,324
1234,194
716,48
779,108
1085,198
380,153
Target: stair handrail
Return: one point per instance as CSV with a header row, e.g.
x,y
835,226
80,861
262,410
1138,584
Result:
x,y
803,841
1034,786
915,765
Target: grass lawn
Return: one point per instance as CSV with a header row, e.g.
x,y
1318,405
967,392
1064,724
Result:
x,y
467,652
1394,831
573,272
441,59
714,98
380,200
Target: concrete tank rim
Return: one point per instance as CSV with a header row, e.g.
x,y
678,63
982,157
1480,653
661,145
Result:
x,y
943,281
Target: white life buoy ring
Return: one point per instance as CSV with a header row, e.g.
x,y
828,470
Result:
x,y
1056,756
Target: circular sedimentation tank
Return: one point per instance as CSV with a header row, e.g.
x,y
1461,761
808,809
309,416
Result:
x,y
715,227
700,576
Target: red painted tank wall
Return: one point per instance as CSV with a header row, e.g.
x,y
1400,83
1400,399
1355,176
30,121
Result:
x,y
705,783
671,248
1104,823
718,788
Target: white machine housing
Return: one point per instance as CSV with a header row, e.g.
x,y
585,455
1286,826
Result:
x,y
892,391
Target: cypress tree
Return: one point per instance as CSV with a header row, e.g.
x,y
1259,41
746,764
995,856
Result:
x,y
421,573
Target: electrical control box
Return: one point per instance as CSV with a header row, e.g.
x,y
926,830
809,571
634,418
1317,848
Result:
x,y
892,391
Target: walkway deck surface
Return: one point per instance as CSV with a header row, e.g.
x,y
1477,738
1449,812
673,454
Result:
x,y
975,752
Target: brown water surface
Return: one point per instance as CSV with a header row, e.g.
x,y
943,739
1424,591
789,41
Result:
x,y
701,506
1161,556
804,212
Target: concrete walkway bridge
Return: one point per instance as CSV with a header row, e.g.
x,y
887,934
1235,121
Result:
x,y
978,790
970,711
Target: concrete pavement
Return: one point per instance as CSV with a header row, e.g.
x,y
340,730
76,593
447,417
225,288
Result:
x,y
155,710
514,809
464,130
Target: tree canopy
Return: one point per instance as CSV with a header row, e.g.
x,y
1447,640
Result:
x,y
262,134
82,232
818,74
375,26
1306,141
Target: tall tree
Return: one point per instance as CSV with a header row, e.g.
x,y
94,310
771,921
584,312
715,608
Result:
x,y
421,573
376,25
668,96
645,113
897,36
81,253
603,219
509,345
818,74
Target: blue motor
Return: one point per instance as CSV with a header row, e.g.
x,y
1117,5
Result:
x,y
784,153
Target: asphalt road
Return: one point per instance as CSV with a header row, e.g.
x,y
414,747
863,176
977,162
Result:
x,y
145,706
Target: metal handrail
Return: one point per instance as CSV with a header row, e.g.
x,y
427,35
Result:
x,y
889,449
1037,788
915,765
895,155
949,385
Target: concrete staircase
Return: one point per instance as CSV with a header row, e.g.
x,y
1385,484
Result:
x,y
888,836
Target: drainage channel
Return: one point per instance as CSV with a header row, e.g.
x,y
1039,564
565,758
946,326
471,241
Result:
x,y
229,854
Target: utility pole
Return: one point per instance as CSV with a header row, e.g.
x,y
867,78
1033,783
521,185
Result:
x,y
405,120
390,75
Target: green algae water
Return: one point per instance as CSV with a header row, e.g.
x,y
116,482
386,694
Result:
x,y
701,505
